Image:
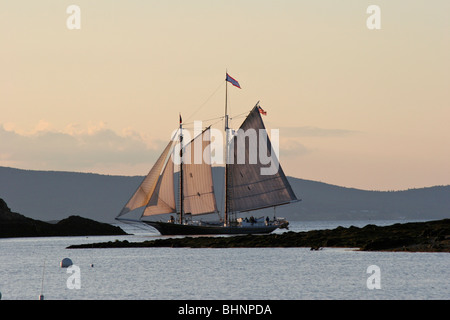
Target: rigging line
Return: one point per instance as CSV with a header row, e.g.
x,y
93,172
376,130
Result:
x,y
189,123
220,120
239,115
206,101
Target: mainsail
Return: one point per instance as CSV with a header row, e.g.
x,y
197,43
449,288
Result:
x,y
198,186
247,188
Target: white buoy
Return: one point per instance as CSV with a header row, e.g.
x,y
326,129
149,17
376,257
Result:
x,y
65,263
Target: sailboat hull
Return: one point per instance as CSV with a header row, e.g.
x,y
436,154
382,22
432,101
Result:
x,y
166,228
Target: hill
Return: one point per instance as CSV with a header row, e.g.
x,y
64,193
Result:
x,y
54,195
16,225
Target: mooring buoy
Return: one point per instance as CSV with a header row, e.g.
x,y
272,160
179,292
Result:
x,y
66,262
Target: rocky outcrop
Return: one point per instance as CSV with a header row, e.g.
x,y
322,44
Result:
x,y
16,225
431,236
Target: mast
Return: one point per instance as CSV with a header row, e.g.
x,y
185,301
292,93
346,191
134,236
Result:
x,y
181,172
226,153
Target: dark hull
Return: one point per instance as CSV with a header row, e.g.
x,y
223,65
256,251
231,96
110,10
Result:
x,y
166,228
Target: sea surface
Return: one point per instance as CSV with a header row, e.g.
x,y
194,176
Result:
x,y
31,266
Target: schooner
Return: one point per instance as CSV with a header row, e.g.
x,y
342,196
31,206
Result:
x,y
246,188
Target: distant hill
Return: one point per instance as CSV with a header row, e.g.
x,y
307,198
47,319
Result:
x,y
328,201
54,195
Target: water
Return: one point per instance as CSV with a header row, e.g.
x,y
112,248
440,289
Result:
x,y
237,273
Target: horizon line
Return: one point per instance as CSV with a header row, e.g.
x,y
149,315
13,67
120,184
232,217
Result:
x,y
219,166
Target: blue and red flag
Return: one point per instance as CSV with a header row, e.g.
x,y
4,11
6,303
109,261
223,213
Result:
x,y
232,81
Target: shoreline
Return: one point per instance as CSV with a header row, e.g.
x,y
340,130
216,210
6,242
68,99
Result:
x,y
430,236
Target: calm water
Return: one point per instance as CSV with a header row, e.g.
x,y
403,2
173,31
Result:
x,y
237,273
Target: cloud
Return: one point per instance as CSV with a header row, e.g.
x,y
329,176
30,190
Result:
x,y
96,148
291,143
292,147
74,148
308,131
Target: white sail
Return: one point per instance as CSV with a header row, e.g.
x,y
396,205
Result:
x,y
163,198
198,186
145,190
248,189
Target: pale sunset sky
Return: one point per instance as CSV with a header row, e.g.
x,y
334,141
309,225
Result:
x,y
355,107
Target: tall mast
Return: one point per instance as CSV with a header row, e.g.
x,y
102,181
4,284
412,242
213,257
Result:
x,y
181,172
226,152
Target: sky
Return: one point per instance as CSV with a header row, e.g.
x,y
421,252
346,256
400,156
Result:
x,y
356,107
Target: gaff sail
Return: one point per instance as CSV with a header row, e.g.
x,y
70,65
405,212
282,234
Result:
x,y
198,185
248,189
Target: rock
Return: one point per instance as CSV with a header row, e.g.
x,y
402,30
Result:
x,y
414,236
79,226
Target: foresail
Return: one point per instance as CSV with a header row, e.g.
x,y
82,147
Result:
x,y
249,189
163,198
145,190
197,176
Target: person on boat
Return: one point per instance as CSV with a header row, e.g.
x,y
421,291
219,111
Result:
x,y
252,219
172,219
267,220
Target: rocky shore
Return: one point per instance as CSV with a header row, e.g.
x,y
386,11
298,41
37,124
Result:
x,y
431,236
16,225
